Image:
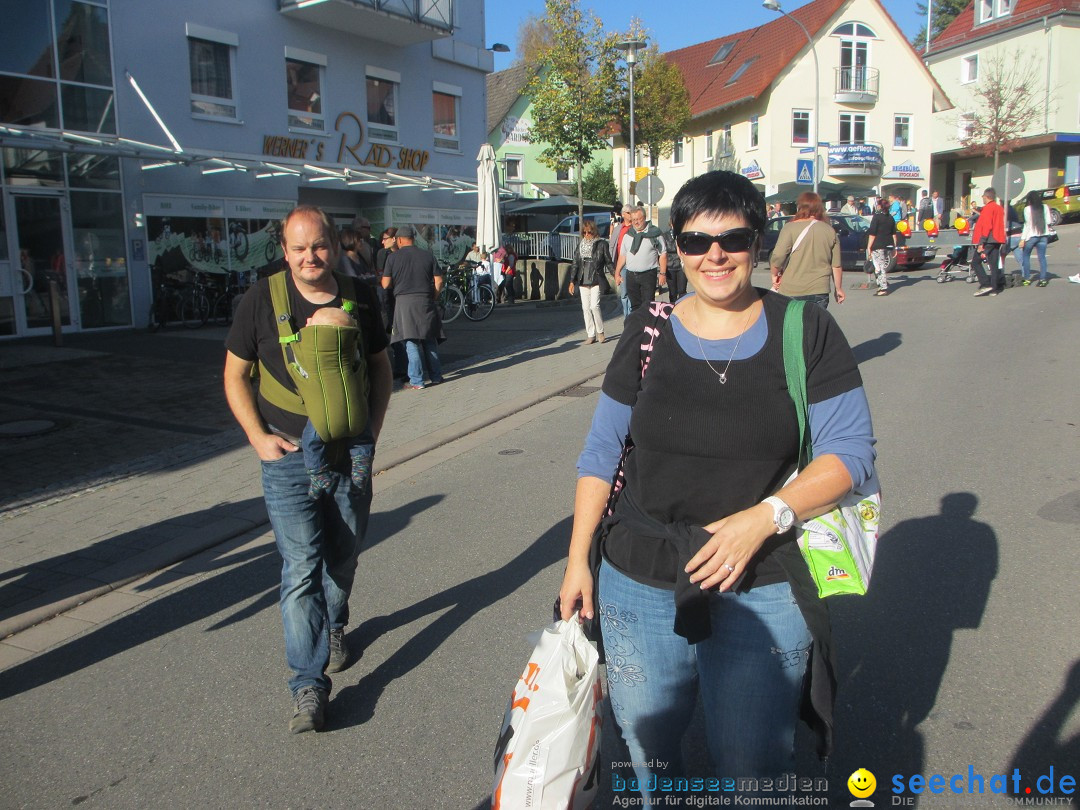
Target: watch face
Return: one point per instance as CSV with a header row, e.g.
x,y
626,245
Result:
x,y
785,518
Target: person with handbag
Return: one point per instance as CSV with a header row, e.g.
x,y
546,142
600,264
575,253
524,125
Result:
x,y
988,236
807,254
591,261
1035,236
682,547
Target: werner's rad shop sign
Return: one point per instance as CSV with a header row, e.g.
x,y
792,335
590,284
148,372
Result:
x,y
350,148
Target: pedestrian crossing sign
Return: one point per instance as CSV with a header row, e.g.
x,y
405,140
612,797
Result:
x,y
804,172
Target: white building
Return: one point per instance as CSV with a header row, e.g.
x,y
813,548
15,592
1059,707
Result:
x,y
755,110
363,107
1035,35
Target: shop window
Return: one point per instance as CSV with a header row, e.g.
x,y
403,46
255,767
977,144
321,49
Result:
x,y
800,127
852,128
446,103
82,42
93,171
753,144
29,102
25,45
969,69
303,84
382,104
902,131
211,58
88,109
97,221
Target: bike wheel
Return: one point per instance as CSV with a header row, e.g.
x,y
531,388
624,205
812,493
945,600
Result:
x,y
194,310
156,319
221,310
481,302
240,245
450,303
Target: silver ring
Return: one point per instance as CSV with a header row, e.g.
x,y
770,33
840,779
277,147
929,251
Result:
x,y
729,568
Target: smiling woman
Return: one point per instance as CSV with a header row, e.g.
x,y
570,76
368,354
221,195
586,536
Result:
x,y
684,534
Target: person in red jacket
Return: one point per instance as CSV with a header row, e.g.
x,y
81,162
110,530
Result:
x,y
988,237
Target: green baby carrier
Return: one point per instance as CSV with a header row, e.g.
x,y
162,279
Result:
x,y
327,364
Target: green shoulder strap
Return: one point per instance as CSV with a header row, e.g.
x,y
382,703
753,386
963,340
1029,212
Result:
x,y
274,392
795,372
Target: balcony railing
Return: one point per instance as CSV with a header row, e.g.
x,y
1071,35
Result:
x,y
862,159
856,85
396,22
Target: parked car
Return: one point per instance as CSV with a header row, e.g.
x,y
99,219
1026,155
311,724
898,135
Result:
x,y
853,231
1063,202
563,237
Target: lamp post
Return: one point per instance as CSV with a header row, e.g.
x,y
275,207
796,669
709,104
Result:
x,y
774,5
631,47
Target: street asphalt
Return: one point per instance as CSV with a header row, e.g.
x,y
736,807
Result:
x,y
168,688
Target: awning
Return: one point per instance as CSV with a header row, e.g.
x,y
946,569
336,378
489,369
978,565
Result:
x,y
551,205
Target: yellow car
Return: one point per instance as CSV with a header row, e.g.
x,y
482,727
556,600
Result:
x,y
1063,202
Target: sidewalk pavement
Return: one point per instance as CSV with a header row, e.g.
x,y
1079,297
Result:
x,y
60,553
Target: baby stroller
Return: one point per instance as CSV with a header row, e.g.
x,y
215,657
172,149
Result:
x,y
957,265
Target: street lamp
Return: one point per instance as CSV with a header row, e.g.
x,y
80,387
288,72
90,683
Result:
x,y
774,5
631,47
499,47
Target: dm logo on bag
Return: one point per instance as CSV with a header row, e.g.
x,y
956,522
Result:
x,y
835,573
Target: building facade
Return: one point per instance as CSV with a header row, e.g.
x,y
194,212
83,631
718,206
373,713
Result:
x,y
142,138
755,110
1032,37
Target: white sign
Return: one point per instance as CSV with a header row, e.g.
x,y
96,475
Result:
x,y
514,130
182,207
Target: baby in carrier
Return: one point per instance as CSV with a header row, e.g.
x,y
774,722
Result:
x,y
361,448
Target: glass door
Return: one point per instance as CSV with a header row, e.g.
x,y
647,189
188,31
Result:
x,y
41,234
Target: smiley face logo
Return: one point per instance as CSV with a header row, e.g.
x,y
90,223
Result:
x,y
861,783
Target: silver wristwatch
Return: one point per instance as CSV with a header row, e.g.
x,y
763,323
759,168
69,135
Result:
x,y
783,515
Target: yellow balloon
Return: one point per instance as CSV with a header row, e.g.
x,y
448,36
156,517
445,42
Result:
x,y
861,783
928,224
960,223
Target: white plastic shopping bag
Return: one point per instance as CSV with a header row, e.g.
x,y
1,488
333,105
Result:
x,y
547,755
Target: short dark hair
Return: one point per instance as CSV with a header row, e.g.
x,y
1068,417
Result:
x,y
718,193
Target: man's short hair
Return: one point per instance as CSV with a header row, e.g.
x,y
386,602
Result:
x,y
627,209
991,193
637,209
315,212
406,232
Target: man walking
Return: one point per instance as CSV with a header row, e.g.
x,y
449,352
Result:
x,y
988,237
618,231
849,207
642,258
939,209
416,279
926,210
318,538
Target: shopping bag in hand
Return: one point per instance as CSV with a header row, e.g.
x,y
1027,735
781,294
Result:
x,y
547,755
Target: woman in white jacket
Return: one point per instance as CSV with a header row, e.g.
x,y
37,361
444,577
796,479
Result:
x,y
1034,236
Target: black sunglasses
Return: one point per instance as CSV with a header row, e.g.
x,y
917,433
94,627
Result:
x,y
737,240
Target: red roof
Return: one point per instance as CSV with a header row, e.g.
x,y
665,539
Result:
x,y
769,49
963,28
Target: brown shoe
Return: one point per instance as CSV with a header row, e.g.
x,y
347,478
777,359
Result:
x,y
600,338
589,340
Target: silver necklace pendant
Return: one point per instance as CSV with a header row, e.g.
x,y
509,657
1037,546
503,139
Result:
x,y
723,379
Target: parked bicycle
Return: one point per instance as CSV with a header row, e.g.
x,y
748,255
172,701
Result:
x,y
463,292
221,309
175,301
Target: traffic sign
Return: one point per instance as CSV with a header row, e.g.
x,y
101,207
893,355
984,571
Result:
x,y
650,190
804,172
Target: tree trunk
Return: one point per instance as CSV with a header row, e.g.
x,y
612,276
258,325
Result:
x,y
580,201
997,156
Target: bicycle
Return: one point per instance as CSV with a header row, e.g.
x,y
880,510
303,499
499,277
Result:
x,y
195,304
168,298
477,303
238,239
221,310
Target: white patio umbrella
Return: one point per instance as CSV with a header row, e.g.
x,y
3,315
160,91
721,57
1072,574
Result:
x,y
488,226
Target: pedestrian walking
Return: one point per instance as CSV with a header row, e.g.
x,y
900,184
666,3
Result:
x,y
807,253
939,210
619,229
416,279
642,260
700,589
882,234
988,236
591,261
1035,236
318,538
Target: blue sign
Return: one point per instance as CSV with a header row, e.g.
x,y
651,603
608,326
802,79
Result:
x,y
804,172
806,150
855,153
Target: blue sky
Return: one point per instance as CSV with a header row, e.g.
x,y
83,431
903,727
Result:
x,y
674,24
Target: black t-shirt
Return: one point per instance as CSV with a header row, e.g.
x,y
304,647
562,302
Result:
x,y
412,271
254,336
702,450
882,228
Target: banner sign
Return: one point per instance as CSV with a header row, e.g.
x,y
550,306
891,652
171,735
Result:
x,y
847,153
905,171
753,171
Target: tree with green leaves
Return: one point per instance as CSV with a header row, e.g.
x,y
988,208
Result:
x,y
599,184
661,106
574,90
942,13
1007,101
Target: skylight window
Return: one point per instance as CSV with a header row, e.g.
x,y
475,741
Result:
x,y
723,52
742,69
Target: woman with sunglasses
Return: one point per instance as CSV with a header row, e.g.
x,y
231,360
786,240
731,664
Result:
x,y
591,261
807,253
700,584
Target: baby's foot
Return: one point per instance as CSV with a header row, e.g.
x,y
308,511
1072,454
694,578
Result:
x,y
321,481
361,470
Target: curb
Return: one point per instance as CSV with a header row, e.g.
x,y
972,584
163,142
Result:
x,y
53,603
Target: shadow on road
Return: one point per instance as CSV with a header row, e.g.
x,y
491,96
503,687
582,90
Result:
x,y
355,705
932,577
1043,748
877,347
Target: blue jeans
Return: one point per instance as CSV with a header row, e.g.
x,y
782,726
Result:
x,y
821,300
749,672
419,352
623,298
319,542
1037,243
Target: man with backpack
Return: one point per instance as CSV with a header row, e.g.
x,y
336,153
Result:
x,y
318,537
